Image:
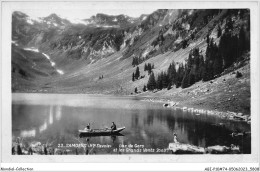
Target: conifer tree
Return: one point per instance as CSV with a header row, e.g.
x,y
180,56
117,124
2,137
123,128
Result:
x,y
149,68
219,31
223,48
133,77
159,81
172,73
137,73
206,71
208,38
191,79
196,64
242,40
241,13
164,80
185,81
201,68
218,65
169,86
145,67
151,85
180,74
135,62
184,43
234,51
229,48
144,89
229,25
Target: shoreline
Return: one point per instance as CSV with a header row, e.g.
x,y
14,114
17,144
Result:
x,y
169,102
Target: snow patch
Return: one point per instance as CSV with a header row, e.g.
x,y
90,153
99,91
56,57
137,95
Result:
x,y
147,51
48,57
60,71
106,26
43,127
144,18
29,21
186,26
32,49
78,21
115,20
28,133
52,63
14,42
190,12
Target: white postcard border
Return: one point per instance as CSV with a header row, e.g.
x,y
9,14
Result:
x,y
6,97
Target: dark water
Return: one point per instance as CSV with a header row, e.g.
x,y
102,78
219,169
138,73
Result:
x,y
56,119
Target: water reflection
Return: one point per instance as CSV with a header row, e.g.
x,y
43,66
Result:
x,y
146,124
28,133
43,127
58,113
51,115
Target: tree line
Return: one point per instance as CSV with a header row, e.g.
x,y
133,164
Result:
x,y
137,61
136,74
196,68
148,67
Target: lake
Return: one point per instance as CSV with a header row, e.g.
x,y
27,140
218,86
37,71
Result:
x,y
55,119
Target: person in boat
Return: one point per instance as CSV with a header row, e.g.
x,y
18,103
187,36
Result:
x,y
87,127
113,127
175,138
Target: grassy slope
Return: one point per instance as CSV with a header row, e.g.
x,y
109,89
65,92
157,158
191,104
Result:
x,y
226,93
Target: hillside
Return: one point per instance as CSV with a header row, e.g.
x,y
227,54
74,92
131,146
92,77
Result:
x,y
54,55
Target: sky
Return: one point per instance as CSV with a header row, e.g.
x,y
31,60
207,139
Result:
x,y
73,14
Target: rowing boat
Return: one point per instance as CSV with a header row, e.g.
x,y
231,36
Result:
x,y
100,132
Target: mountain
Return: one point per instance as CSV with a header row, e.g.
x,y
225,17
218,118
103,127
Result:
x,y
104,20
55,20
100,54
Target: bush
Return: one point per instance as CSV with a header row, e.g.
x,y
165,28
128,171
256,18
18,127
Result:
x,y
238,74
